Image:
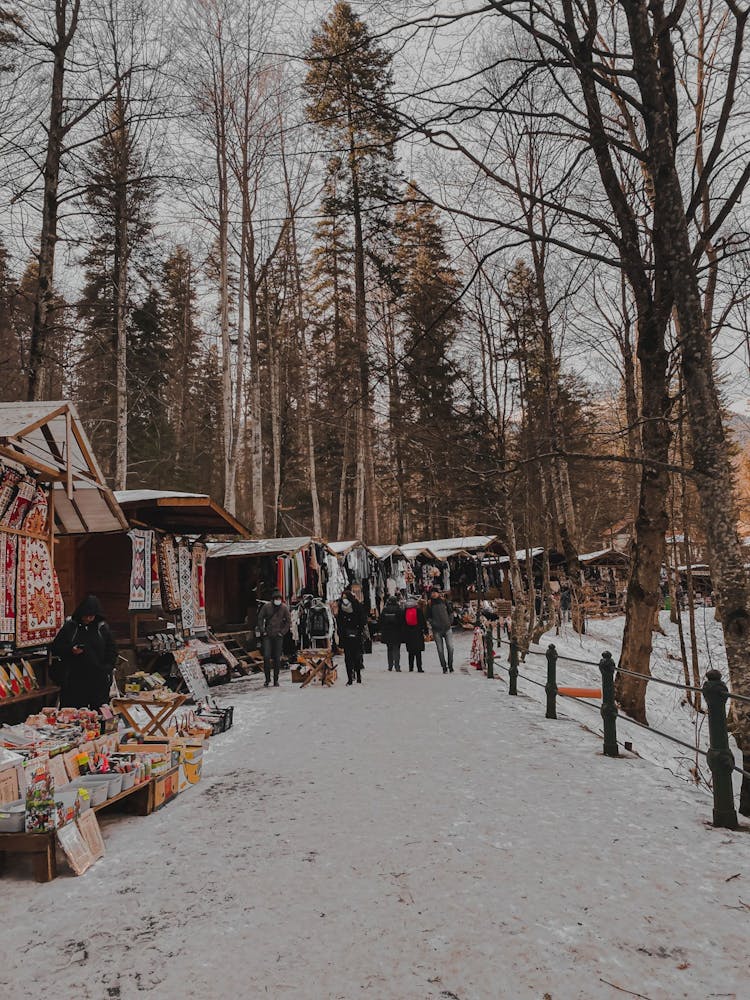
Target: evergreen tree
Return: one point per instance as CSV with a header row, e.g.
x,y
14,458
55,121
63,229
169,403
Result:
x,y
119,199
347,83
11,363
430,319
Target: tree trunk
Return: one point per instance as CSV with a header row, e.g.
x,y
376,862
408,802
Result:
x,y
711,459
42,325
121,333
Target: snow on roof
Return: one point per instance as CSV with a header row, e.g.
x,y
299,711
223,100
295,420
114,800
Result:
x,y
521,555
603,555
344,548
258,547
48,438
413,549
138,496
180,513
382,552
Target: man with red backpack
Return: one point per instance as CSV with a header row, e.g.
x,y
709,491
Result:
x,y
415,629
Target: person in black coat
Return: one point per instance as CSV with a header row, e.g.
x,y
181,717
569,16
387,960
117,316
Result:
x,y
392,631
87,653
415,629
350,624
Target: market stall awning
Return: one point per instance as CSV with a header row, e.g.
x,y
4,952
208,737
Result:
x,y
179,513
445,548
344,548
605,557
382,552
259,547
413,549
48,439
521,555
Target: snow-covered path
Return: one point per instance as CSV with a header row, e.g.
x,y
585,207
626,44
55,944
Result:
x,y
420,836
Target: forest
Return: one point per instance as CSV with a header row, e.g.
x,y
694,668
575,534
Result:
x,y
393,271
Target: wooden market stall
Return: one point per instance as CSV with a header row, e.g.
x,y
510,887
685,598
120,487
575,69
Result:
x,y
604,576
240,575
473,564
52,493
167,531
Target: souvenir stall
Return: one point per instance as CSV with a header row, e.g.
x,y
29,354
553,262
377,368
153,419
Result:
x,y
604,576
52,492
426,569
393,569
150,580
61,767
360,568
241,575
468,564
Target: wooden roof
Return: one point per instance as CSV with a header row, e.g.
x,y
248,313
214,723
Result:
x,y
48,440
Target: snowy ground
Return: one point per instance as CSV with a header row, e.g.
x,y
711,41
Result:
x,y
417,837
667,708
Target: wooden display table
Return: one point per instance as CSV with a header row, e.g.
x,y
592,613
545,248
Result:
x,y
320,666
138,800
158,709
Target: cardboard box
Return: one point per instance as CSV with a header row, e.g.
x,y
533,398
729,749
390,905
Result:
x,y
166,787
9,785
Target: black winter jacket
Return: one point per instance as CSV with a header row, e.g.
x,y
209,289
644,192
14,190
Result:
x,y
86,677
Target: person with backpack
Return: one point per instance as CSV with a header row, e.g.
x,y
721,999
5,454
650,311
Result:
x,y
440,617
350,625
87,653
392,631
319,622
274,622
415,629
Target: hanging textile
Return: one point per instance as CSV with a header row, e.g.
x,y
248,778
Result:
x,y
15,515
8,484
8,564
337,580
140,570
39,605
187,604
155,585
200,553
169,572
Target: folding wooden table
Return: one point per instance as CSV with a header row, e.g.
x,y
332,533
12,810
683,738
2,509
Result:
x,y
159,710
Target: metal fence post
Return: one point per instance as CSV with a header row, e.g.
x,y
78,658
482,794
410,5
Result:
x,y
720,757
513,669
489,653
551,686
609,708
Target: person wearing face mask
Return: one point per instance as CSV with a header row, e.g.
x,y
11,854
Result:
x,y
350,624
86,655
274,622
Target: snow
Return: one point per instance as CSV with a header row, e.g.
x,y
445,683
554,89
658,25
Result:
x,y
665,706
417,837
139,496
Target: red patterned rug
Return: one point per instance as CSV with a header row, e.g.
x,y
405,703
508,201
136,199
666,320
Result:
x,y
39,606
200,552
8,561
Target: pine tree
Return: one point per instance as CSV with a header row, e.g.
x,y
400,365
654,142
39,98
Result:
x,y
119,198
347,83
11,384
430,319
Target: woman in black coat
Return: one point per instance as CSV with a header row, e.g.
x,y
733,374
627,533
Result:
x,y
87,654
415,629
350,625
392,631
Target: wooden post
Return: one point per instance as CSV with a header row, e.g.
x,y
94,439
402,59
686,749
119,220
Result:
x,y
609,708
513,670
551,686
720,757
